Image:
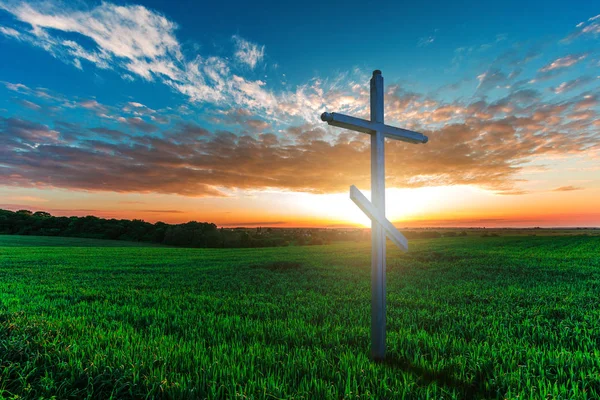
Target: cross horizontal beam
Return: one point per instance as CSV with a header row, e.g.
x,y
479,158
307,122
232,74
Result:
x,y
368,208
365,126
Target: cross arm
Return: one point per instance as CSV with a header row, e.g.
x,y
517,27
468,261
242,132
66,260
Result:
x,y
365,126
372,212
348,122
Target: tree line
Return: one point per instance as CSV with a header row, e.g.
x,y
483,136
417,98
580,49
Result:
x,y
189,234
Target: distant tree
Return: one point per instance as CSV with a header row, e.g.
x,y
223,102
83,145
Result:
x,y
158,234
42,214
245,239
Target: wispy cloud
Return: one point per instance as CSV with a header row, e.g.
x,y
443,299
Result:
x,y
572,84
566,189
563,62
426,41
94,106
513,192
29,104
9,32
16,87
243,118
591,27
139,42
247,52
139,124
490,79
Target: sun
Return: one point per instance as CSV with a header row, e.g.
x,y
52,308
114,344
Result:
x,y
401,205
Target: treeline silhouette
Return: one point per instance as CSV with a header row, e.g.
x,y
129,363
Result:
x,y
190,234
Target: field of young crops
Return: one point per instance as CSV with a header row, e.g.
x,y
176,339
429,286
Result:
x,y
468,317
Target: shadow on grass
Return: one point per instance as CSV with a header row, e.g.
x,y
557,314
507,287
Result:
x,y
444,377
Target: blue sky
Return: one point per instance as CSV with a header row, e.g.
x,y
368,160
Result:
x,y
225,98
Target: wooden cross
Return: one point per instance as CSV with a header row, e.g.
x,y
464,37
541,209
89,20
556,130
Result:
x,y
375,208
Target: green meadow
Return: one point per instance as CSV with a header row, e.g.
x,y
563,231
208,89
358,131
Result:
x,y
509,317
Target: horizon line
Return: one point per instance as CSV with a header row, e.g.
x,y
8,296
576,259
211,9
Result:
x,y
278,224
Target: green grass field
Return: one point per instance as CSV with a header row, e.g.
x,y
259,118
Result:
x,y
468,317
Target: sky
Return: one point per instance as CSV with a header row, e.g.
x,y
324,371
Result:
x,y
177,111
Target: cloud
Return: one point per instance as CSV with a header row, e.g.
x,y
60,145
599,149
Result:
x,y
563,62
138,109
308,133
161,119
247,52
557,67
93,105
187,132
512,192
138,42
10,32
522,96
566,189
141,110
571,85
139,124
426,41
591,27
22,135
473,143
242,117
587,102
16,87
30,105
128,32
582,116
490,79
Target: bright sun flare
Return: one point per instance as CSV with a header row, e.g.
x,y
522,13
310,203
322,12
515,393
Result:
x,y
401,204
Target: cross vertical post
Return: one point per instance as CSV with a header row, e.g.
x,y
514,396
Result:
x,y
381,227
378,321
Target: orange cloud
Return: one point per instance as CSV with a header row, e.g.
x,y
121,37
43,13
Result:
x,y
566,189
